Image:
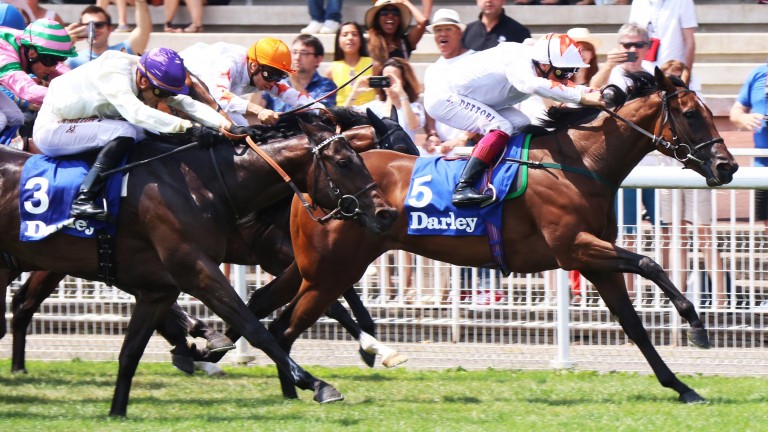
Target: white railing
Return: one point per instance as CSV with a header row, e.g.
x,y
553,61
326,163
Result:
x,y
415,299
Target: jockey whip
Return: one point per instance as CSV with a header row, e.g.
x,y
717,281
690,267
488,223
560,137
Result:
x,y
295,110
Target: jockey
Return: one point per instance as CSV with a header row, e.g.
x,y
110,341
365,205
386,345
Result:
x,y
39,50
229,70
479,98
107,103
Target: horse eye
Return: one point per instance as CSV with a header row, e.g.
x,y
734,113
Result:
x,y
690,113
343,163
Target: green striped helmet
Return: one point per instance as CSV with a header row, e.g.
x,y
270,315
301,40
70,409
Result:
x,y
48,37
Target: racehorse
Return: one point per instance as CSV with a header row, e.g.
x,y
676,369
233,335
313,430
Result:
x,y
174,224
262,239
564,219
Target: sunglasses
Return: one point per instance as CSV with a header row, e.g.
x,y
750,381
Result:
x,y
638,45
47,60
564,73
162,94
97,24
387,12
271,74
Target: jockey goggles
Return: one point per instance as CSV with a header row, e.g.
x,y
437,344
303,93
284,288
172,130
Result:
x,y
564,73
271,74
47,60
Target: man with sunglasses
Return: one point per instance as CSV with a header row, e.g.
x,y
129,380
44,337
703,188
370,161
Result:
x,y
107,104
32,57
479,98
98,42
626,57
231,71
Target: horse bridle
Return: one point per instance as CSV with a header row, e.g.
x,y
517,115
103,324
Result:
x,y
347,207
677,144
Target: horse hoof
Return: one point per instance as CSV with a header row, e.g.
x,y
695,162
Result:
x,y
183,363
326,393
368,358
19,371
394,359
698,337
212,369
691,397
220,344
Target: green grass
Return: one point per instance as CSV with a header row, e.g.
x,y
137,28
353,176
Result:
x,y
75,396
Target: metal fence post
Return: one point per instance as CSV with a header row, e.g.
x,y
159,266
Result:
x,y
242,354
561,361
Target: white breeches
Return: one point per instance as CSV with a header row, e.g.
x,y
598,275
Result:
x,y
465,113
10,114
68,137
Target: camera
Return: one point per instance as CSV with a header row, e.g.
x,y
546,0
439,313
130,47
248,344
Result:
x,y
379,82
631,56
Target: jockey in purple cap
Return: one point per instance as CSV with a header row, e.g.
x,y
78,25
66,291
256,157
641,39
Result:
x,y
107,103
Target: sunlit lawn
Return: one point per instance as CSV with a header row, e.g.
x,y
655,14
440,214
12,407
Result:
x,y
75,396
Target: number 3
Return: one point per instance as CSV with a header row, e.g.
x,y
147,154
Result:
x,y
41,184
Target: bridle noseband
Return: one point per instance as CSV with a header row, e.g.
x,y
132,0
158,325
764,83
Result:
x,y
677,143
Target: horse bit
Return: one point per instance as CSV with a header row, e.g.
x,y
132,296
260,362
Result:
x,y
659,140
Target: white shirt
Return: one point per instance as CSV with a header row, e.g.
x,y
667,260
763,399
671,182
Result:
x,y
665,20
106,88
504,75
223,67
381,109
435,82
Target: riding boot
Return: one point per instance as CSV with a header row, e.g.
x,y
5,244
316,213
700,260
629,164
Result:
x,y
465,194
109,157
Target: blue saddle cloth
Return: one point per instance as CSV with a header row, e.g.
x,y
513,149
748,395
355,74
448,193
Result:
x,y
428,203
48,187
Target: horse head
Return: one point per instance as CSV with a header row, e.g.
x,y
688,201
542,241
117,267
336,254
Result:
x,y
689,134
339,180
390,135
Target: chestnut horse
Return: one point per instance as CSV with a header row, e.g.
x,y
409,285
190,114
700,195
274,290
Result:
x,y
174,225
261,240
565,219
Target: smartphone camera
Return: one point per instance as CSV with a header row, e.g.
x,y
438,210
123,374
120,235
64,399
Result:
x,y
631,56
379,82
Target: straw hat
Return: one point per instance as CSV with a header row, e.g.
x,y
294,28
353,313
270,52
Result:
x,y
581,34
405,13
446,17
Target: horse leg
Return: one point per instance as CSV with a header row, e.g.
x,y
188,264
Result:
x,y
175,332
197,328
611,288
5,280
222,299
38,287
146,317
339,313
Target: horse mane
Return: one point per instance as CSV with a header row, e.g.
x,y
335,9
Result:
x,y
288,125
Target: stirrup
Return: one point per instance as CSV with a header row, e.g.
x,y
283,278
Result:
x,y
493,200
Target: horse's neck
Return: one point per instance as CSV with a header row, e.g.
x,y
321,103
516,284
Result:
x,y
361,138
615,148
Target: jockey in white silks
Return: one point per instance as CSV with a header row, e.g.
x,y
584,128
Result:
x,y
480,95
107,103
230,71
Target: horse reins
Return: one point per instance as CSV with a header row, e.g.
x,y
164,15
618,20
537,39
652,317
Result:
x,y
330,93
659,140
344,201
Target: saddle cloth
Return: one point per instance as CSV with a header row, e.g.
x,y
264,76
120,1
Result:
x,y
48,187
428,203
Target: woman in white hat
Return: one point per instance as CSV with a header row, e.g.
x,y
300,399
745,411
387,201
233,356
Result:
x,y
388,35
588,45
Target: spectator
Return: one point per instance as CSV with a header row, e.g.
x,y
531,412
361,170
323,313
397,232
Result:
x,y
670,26
696,210
750,112
11,17
402,94
388,35
23,7
136,42
122,13
602,2
39,12
350,57
231,71
195,9
447,29
324,18
307,54
493,27
541,2
113,99
39,50
588,46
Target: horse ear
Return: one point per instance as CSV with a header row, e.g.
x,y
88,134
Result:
x,y
307,129
376,122
393,114
664,83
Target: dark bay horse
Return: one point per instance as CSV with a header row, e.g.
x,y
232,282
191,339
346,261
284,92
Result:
x,y
262,239
565,219
174,225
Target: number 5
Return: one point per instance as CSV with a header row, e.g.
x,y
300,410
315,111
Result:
x,y
421,194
